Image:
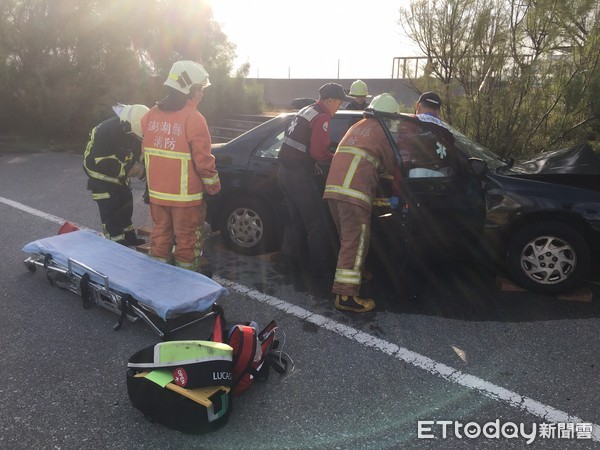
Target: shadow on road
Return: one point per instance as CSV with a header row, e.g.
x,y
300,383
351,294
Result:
x,y
468,291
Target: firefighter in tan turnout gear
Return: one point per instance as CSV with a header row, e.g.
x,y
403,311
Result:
x,y
180,167
111,158
362,156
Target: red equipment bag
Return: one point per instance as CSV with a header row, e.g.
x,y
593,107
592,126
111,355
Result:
x,y
252,352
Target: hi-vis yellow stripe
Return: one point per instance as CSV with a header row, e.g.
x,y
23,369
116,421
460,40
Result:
x,y
347,276
167,153
175,197
212,180
360,153
348,192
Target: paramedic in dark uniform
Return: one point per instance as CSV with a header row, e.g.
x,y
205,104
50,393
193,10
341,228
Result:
x,y
424,154
112,156
309,237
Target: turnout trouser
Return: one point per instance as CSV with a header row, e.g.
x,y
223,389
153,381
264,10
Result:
x,y
353,223
179,226
115,204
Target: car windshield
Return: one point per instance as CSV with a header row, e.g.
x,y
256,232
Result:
x,y
476,150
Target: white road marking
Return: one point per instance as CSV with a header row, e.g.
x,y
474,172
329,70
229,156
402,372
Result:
x,y
547,413
32,211
514,399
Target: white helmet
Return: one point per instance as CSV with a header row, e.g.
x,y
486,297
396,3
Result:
x,y
358,89
185,74
132,114
385,103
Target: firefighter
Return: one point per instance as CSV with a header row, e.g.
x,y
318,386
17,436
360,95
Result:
x,y
309,231
362,156
359,93
111,157
180,167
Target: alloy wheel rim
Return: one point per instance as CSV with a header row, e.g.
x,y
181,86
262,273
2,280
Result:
x,y
548,260
245,227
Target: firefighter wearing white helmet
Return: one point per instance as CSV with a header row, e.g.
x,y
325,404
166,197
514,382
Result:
x,y
131,115
362,156
385,103
111,157
359,92
185,74
180,166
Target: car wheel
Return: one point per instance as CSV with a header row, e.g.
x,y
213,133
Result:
x,y
548,257
247,227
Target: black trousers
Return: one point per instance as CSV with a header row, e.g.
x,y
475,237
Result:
x,y
115,204
309,234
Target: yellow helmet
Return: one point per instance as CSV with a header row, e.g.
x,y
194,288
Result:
x,y
385,103
358,89
132,114
185,74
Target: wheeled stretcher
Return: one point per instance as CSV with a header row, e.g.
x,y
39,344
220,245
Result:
x,y
127,282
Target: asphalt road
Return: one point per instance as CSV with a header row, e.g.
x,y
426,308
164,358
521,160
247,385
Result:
x,y
464,352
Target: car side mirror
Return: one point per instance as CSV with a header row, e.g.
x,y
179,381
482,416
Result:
x,y
478,166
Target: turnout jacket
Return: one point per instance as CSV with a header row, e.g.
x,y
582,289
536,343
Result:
x,y
177,154
362,156
109,155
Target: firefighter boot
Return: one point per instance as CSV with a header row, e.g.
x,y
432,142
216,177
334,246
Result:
x,y
132,240
354,303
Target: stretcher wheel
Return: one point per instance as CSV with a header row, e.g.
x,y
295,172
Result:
x,y
31,267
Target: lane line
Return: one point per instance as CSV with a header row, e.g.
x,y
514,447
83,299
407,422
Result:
x,y
32,211
490,390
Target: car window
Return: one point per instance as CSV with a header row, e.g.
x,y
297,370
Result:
x,y
270,147
338,126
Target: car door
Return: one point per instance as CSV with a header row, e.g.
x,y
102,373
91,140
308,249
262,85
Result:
x,y
441,201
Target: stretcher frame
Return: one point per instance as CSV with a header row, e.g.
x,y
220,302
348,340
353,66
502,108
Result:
x,y
102,294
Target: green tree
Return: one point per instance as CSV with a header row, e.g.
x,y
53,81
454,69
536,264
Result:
x,y
519,75
65,62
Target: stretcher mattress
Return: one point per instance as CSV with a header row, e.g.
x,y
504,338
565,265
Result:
x,y
168,290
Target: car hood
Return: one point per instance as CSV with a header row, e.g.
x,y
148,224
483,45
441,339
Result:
x,y
580,159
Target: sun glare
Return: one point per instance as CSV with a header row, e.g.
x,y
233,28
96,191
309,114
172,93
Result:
x,y
314,38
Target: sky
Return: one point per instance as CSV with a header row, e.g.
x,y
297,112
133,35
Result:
x,y
315,38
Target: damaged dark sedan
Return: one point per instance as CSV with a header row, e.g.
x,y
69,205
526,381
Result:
x,y
540,219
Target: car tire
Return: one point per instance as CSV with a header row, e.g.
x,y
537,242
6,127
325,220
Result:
x,y
247,226
548,257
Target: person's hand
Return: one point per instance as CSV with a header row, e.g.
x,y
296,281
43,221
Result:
x,y
137,170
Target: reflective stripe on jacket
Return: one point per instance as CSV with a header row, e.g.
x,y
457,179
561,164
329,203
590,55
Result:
x,y
177,153
363,155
